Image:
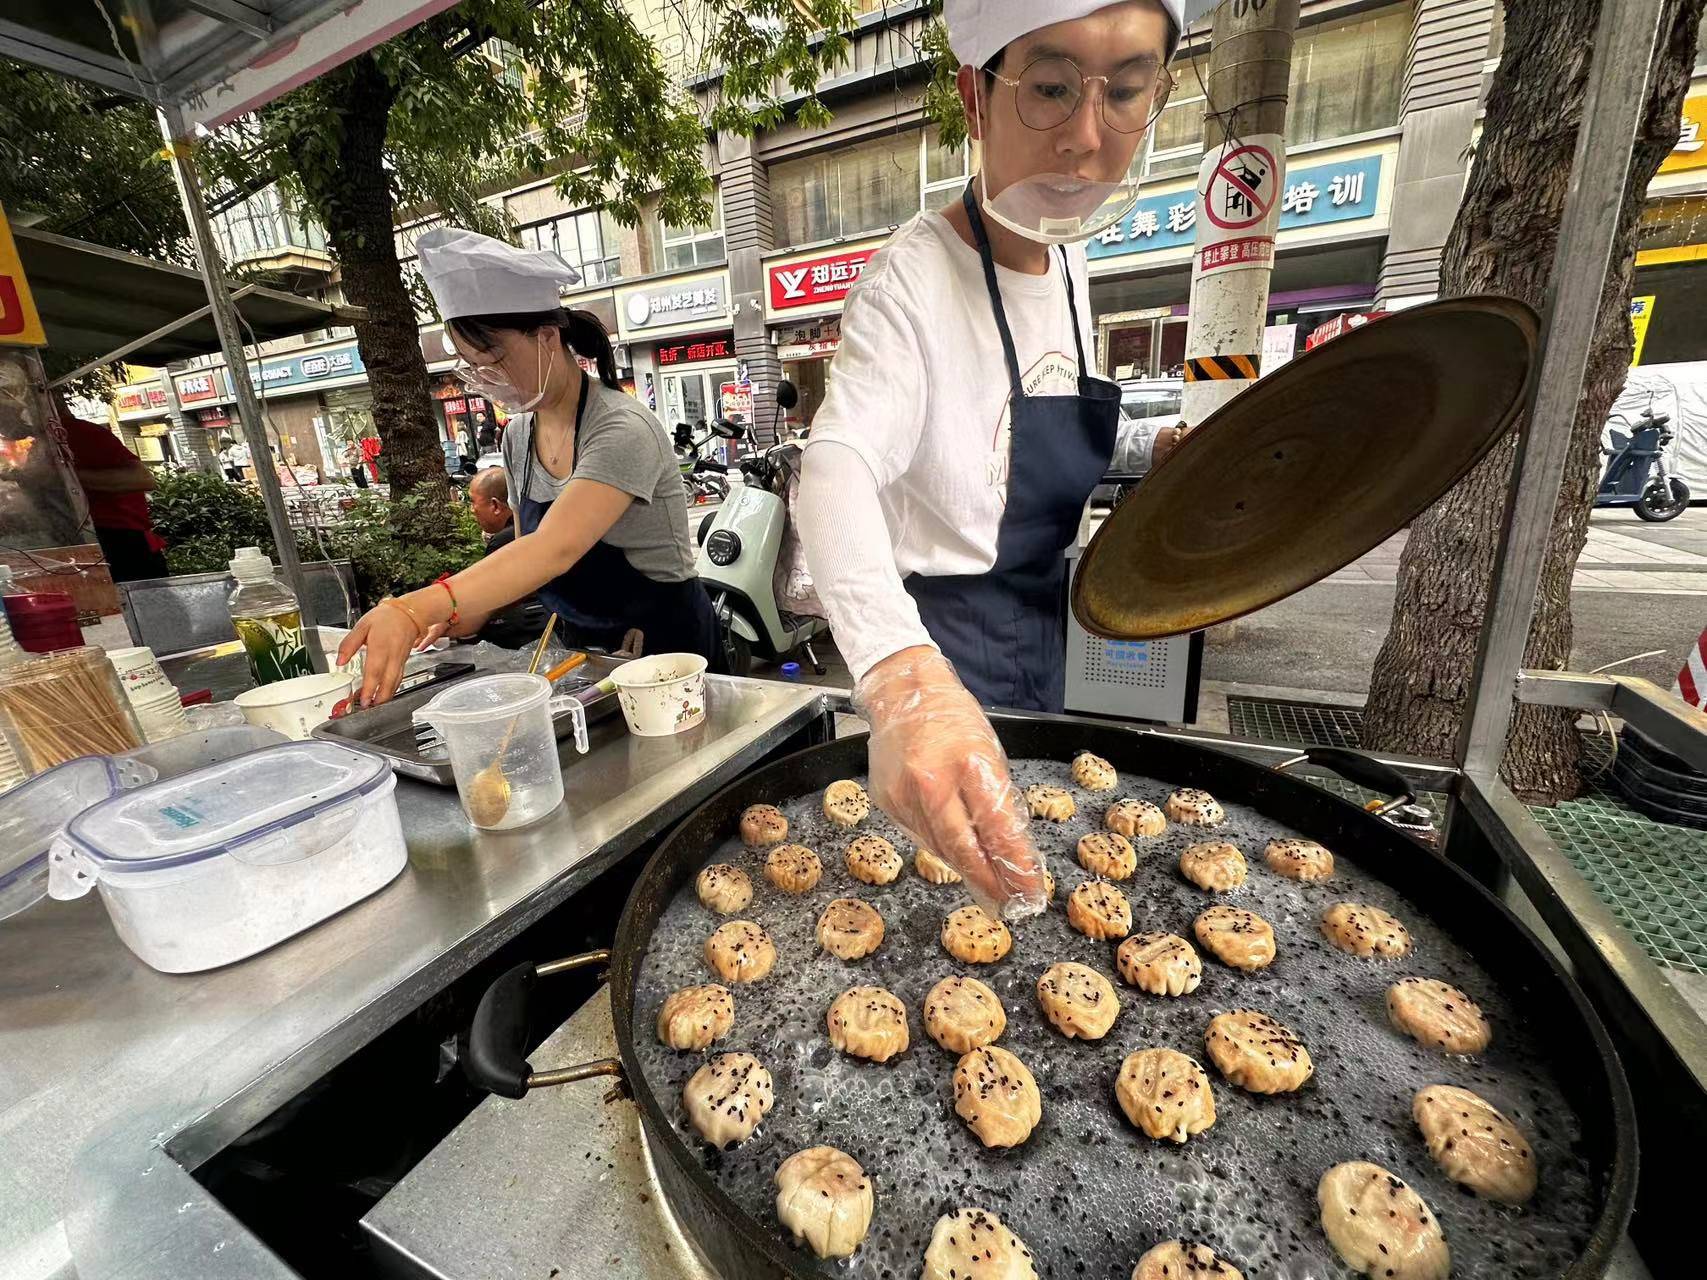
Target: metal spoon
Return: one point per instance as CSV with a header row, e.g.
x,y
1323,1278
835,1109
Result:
x,y
489,790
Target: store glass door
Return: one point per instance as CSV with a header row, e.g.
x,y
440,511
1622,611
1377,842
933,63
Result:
x,y
691,396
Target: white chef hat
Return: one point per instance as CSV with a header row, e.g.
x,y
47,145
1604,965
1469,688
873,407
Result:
x,y
474,275
980,29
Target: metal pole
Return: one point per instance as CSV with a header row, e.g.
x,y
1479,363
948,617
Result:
x,y
1612,113
237,366
1239,188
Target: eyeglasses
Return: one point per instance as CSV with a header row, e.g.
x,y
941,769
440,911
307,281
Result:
x,y
1050,89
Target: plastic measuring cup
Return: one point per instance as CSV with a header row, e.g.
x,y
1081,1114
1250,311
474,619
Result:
x,y
503,748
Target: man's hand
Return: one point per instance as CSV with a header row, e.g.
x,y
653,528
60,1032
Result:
x,y
939,770
1167,440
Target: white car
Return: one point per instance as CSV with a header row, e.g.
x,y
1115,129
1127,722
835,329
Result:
x,y
488,460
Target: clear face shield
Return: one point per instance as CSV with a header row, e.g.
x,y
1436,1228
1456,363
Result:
x,y
1048,94
489,380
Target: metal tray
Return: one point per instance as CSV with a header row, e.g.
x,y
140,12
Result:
x,y
388,730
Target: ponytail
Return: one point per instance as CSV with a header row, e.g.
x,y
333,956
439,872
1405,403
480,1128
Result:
x,y
581,331
584,334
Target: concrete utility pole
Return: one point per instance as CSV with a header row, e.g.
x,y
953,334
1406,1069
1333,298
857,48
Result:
x,y
1239,189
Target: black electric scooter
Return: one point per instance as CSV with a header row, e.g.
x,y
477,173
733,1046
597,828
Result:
x,y
1636,474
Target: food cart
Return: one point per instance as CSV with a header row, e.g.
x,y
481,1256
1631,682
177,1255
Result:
x,y
164,1125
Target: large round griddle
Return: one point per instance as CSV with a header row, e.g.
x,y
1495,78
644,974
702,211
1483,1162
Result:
x,y
744,1240
1308,469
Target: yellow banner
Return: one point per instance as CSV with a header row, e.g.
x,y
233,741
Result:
x,y
1641,311
1691,149
20,326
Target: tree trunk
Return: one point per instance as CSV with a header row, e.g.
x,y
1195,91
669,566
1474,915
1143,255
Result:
x,y
357,212
1504,241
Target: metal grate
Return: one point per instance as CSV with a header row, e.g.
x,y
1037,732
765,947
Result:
x,y
1126,662
1309,724
1649,873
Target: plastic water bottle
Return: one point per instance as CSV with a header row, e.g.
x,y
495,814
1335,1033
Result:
x,y
268,619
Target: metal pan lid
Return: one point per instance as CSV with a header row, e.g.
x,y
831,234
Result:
x,y
1308,469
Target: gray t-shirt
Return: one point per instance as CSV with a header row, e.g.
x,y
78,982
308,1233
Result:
x,y
621,444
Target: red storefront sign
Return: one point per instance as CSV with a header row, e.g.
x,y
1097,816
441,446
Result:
x,y
132,399
1340,324
194,387
213,419
815,282
693,350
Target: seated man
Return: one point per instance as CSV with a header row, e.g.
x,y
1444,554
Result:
x,y
518,625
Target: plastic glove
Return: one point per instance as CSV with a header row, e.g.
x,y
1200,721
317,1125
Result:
x,y
938,769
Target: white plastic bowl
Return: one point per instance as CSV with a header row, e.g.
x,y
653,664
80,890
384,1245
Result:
x,y
294,707
661,695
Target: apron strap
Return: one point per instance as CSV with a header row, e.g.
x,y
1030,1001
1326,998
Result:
x,y
580,408
983,241
1073,310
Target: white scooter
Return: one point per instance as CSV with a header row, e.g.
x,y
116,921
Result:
x,y
739,545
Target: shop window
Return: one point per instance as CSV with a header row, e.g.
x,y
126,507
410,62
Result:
x,y
871,186
696,246
1346,79
586,240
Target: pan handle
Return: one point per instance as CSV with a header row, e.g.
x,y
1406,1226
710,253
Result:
x,y
1355,766
499,1033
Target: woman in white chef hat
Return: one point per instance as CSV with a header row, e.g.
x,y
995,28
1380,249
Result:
x,y
601,516
964,427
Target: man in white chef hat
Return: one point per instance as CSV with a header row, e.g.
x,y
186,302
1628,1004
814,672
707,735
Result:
x,y
600,513
965,428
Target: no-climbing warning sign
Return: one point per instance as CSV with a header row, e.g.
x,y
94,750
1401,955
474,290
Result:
x,y
1238,194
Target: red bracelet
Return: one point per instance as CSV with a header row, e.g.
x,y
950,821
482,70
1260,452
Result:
x,y
443,580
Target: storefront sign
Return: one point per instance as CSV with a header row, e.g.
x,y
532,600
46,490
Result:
x,y
671,302
140,398
1641,313
1340,324
20,326
1691,149
194,388
809,341
815,282
695,350
213,419
319,366
1313,196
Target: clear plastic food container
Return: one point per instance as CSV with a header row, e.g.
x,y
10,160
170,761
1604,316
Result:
x,y
34,813
222,862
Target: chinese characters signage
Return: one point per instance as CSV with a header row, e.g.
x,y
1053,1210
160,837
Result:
x,y
692,350
673,302
816,282
140,398
1311,196
339,362
195,388
1691,149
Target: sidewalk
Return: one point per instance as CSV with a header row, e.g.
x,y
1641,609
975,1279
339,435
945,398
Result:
x,y
1611,561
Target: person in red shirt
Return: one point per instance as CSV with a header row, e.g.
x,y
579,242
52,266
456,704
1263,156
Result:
x,y
116,484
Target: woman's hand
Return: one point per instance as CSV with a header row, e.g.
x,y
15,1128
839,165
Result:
x,y
388,635
939,770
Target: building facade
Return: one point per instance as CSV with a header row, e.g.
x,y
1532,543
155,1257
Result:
x,y
1384,112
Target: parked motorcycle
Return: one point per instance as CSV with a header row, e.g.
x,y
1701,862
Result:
x,y
1636,474
705,479
739,546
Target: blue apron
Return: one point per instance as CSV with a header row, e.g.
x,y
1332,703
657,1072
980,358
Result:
x,y
602,595
1004,629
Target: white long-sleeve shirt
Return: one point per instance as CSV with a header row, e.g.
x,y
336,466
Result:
x,y
906,469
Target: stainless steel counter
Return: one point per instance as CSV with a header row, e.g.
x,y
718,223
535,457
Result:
x,y
556,1183
115,1080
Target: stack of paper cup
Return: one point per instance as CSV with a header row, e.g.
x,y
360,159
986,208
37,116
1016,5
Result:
x,y
153,697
